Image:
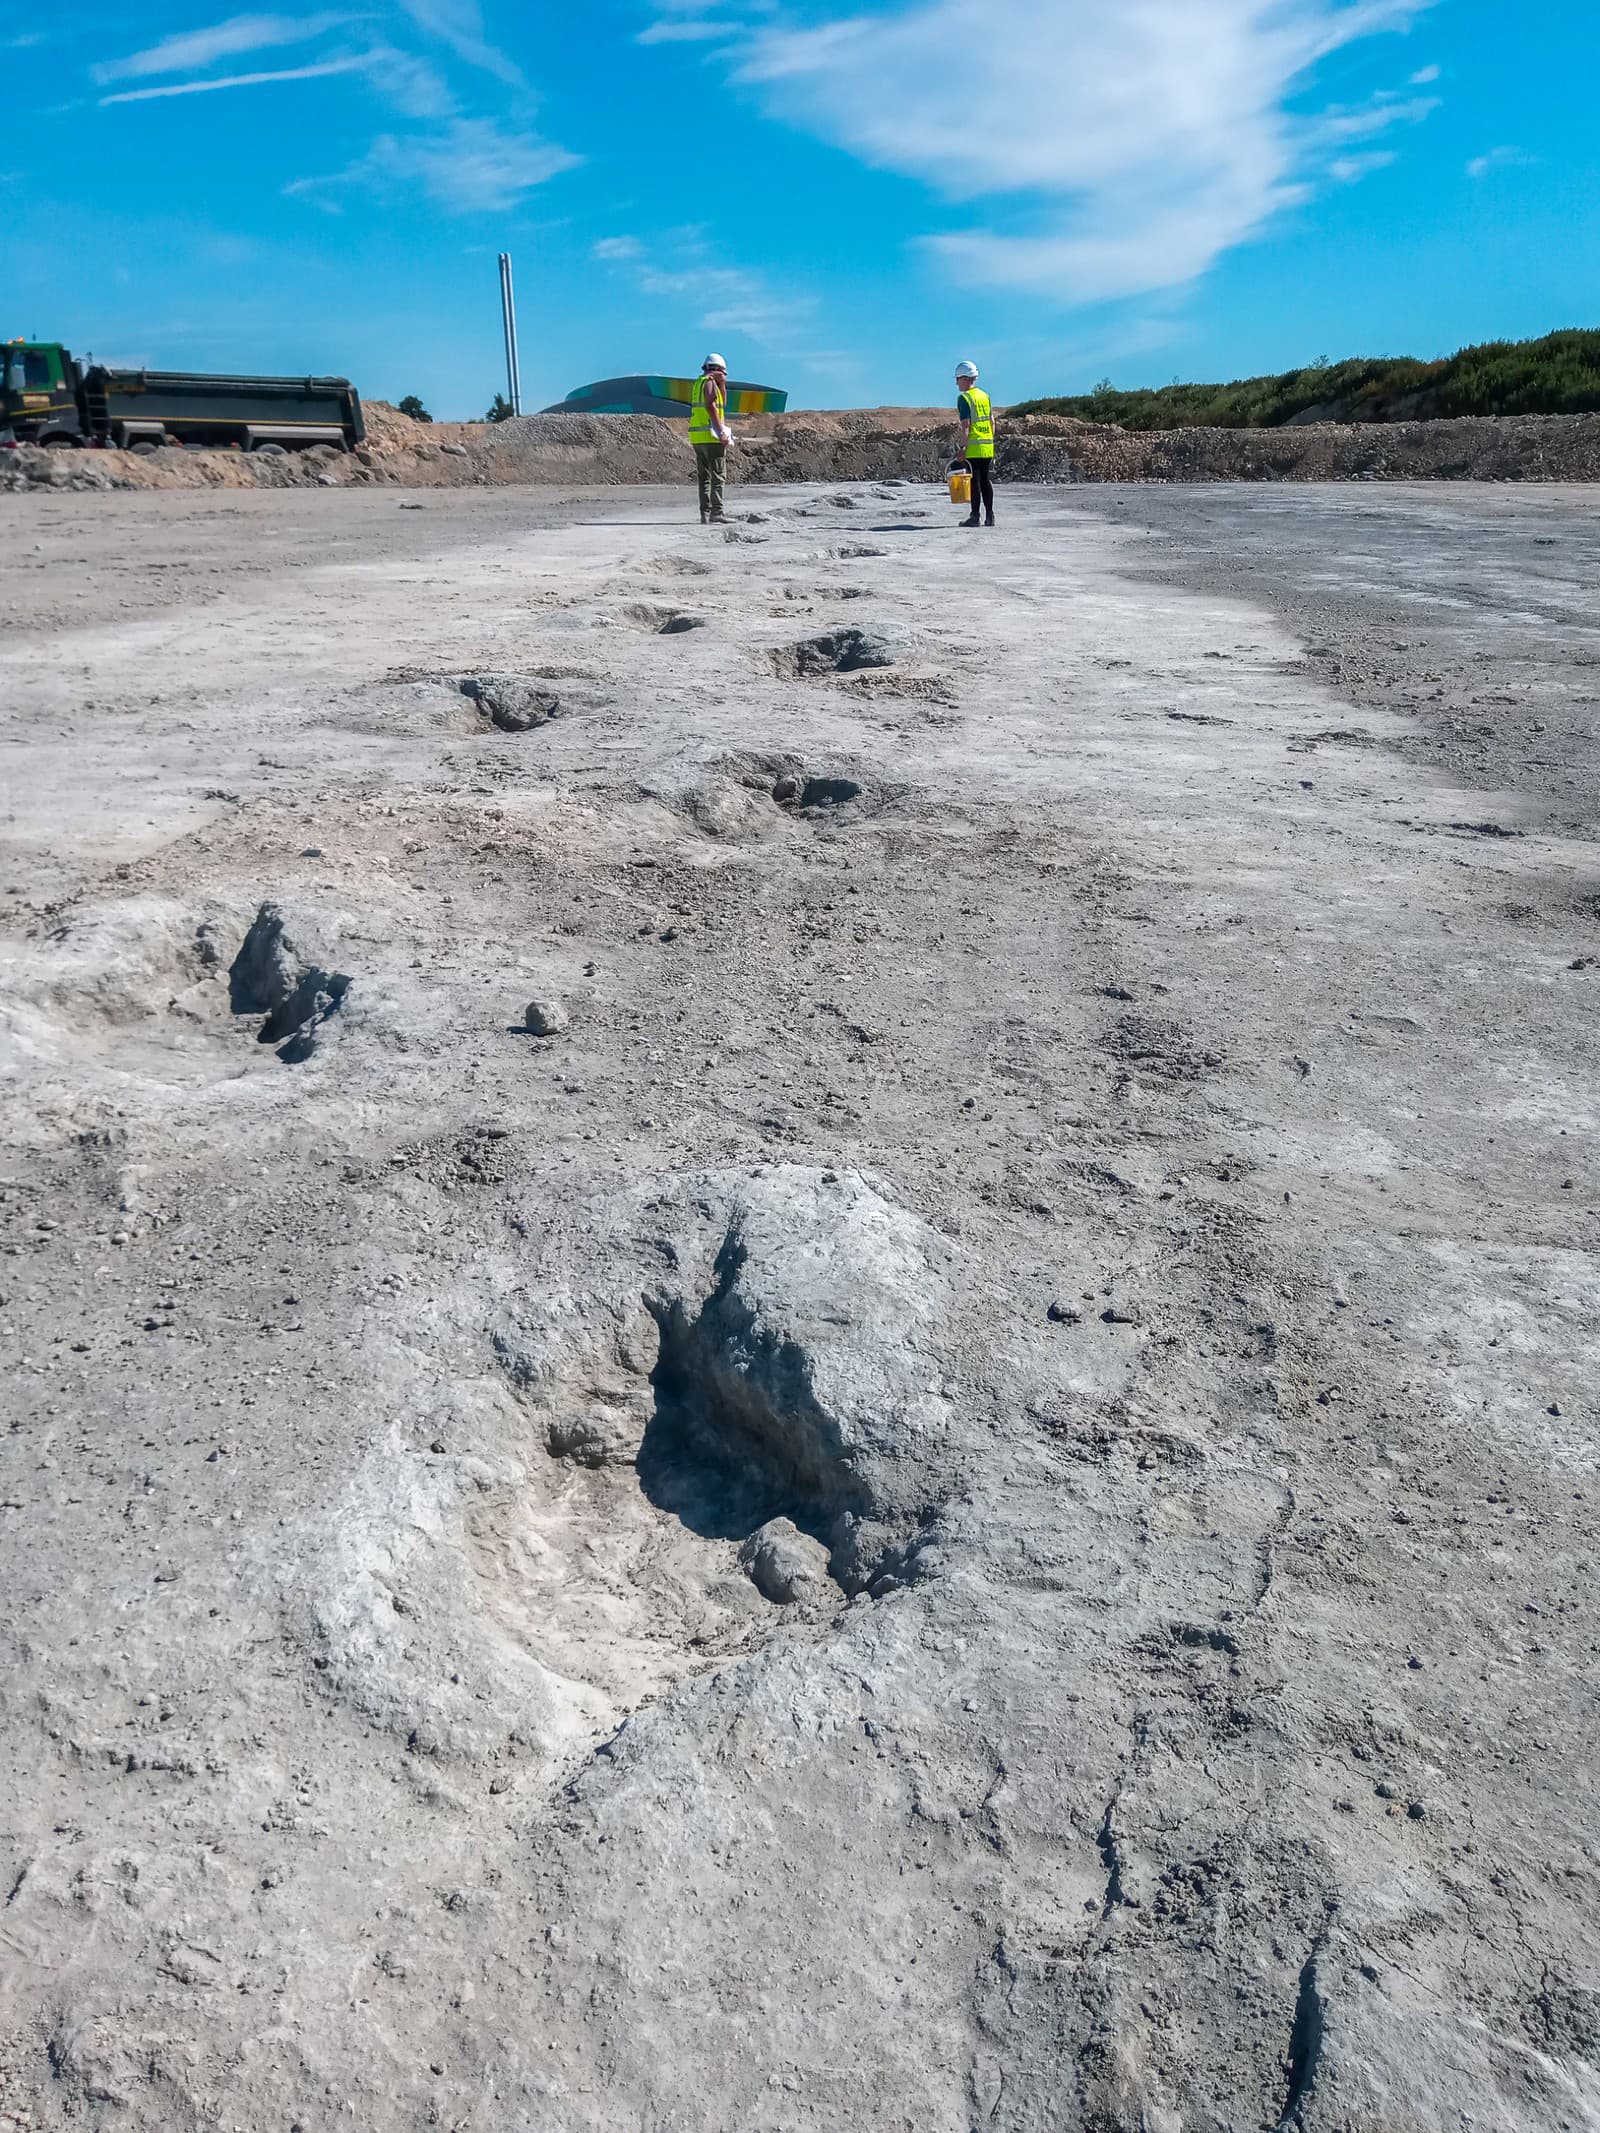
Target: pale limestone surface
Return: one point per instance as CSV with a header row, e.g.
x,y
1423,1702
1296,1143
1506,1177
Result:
x,y
1187,1719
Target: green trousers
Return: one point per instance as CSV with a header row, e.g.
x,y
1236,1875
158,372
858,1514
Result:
x,y
708,464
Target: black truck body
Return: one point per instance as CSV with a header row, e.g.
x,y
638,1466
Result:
x,y
47,397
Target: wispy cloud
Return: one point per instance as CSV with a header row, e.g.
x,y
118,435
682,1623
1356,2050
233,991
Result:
x,y
702,32
418,58
410,84
1128,146
473,166
459,24
1348,170
684,270
1499,159
704,21
1361,121
1423,75
353,65
194,49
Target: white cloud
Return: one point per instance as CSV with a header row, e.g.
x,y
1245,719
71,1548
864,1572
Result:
x,y
1347,170
720,298
465,161
353,65
473,166
459,24
1423,75
410,84
192,49
410,81
733,300
690,32
1499,159
1131,144
742,302
1360,123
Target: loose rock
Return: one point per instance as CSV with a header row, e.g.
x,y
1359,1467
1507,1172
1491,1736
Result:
x,y
546,1016
784,1564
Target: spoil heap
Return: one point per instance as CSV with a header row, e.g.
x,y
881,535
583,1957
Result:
x,y
864,444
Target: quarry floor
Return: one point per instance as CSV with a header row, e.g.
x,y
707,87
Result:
x,y
1092,1121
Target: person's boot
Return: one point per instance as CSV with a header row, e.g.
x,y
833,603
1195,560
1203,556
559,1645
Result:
x,y
718,518
705,518
973,521
989,522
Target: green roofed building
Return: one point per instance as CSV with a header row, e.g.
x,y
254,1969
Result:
x,y
663,396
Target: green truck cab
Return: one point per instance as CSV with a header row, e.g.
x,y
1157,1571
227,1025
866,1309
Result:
x,y
48,397
38,390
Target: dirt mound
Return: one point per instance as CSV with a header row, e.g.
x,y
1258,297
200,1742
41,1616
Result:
x,y
1473,448
528,448
587,448
390,431
830,422
848,445
1056,448
538,449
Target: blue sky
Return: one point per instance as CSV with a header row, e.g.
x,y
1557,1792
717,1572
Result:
x,y
845,196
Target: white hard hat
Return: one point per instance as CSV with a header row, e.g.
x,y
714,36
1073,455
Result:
x,y
966,370
715,362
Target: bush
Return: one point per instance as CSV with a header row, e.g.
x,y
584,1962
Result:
x,y
1558,375
413,407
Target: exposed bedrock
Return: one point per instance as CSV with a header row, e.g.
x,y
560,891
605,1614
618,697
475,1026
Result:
x,y
271,977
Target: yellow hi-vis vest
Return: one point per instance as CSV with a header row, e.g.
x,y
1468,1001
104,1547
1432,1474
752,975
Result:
x,y
980,437
702,430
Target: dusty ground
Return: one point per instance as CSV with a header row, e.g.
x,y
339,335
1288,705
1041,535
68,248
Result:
x,y
1071,1154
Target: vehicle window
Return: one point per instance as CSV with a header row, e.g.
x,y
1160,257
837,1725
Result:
x,y
27,370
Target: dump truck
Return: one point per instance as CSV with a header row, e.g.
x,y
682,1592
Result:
x,y
48,397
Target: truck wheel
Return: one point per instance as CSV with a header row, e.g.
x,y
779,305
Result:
x,y
271,451
59,441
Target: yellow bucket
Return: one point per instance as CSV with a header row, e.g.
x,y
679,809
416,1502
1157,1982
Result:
x,y
960,486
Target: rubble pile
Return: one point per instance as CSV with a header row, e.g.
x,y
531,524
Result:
x,y
870,444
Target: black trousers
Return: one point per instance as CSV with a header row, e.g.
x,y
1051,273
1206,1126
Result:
x,y
982,486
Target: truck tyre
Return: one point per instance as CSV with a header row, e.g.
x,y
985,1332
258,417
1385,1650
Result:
x,y
271,451
60,440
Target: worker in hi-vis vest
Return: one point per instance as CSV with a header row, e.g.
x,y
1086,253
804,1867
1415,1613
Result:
x,y
710,435
977,431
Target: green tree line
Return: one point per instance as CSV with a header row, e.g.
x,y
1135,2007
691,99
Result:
x,y
1557,375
